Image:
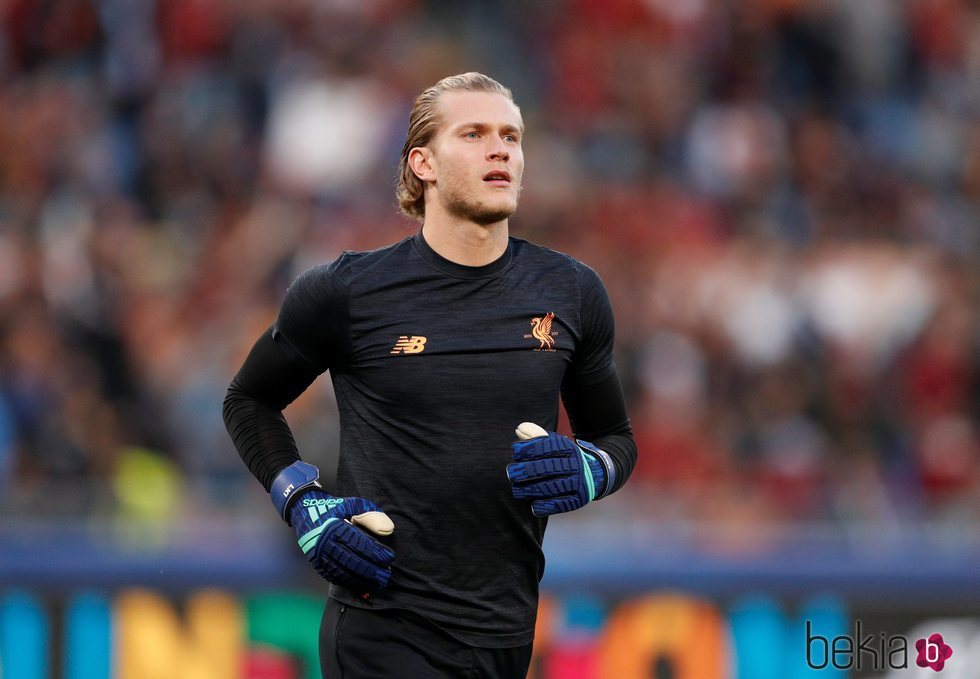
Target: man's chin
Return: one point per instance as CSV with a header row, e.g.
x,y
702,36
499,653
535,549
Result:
x,y
488,217
483,214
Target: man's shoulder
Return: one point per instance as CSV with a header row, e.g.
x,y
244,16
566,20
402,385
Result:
x,y
337,274
352,263
369,257
539,255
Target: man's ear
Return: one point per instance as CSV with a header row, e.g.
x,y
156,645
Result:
x,y
420,161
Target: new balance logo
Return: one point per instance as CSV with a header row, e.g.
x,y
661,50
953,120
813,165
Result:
x,y
409,345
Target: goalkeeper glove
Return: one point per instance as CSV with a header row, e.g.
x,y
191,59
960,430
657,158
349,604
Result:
x,y
329,529
557,473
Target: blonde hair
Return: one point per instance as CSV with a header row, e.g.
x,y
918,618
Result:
x,y
422,125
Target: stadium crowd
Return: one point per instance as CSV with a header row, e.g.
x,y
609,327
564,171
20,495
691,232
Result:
x,y
783,197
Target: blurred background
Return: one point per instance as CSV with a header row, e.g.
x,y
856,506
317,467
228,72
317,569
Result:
x,y
782,197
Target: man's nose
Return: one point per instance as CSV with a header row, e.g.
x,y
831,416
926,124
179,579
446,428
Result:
x,y
498,151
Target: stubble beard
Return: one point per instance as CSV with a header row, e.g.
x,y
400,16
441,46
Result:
x,y
478,211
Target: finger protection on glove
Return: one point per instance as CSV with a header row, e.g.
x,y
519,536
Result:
x,y
556,473
336,536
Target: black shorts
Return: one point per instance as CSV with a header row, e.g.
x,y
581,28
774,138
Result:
x,y
389,644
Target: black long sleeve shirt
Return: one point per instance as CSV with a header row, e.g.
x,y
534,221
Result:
x,y
434,364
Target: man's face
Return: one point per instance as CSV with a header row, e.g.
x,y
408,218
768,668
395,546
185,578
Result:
x,y
477,156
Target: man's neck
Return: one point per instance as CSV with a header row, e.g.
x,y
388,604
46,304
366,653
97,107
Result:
x,y
465,242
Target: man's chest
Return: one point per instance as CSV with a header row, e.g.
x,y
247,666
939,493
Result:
x,y
436,351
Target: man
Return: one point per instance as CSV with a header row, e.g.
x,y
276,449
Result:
x,y
438,346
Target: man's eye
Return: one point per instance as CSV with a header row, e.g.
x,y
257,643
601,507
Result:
x,y
471,135
510,138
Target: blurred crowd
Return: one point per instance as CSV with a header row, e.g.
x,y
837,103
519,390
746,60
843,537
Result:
x,y
782,196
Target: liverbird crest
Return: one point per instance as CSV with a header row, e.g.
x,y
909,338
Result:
x,y
541,331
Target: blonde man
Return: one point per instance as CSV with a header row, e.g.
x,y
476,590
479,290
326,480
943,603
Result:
x,y
438,347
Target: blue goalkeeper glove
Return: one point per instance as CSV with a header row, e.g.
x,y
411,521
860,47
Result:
x,y
557,473
329,529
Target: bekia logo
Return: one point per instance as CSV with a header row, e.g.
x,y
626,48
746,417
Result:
x,y
933,652
881,652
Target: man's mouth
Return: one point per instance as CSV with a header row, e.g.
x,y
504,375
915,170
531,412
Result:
x,y
497,176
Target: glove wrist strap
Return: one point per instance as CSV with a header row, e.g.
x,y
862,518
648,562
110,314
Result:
x,y
288,484
606,462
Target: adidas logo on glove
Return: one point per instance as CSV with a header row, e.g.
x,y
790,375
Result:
x,y
322,503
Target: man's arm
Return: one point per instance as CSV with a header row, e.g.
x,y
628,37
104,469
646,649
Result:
x,y
559,474
597,414
276,371
309,336
271,378
591,390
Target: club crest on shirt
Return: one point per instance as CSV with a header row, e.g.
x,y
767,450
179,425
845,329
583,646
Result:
x,y
541,331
